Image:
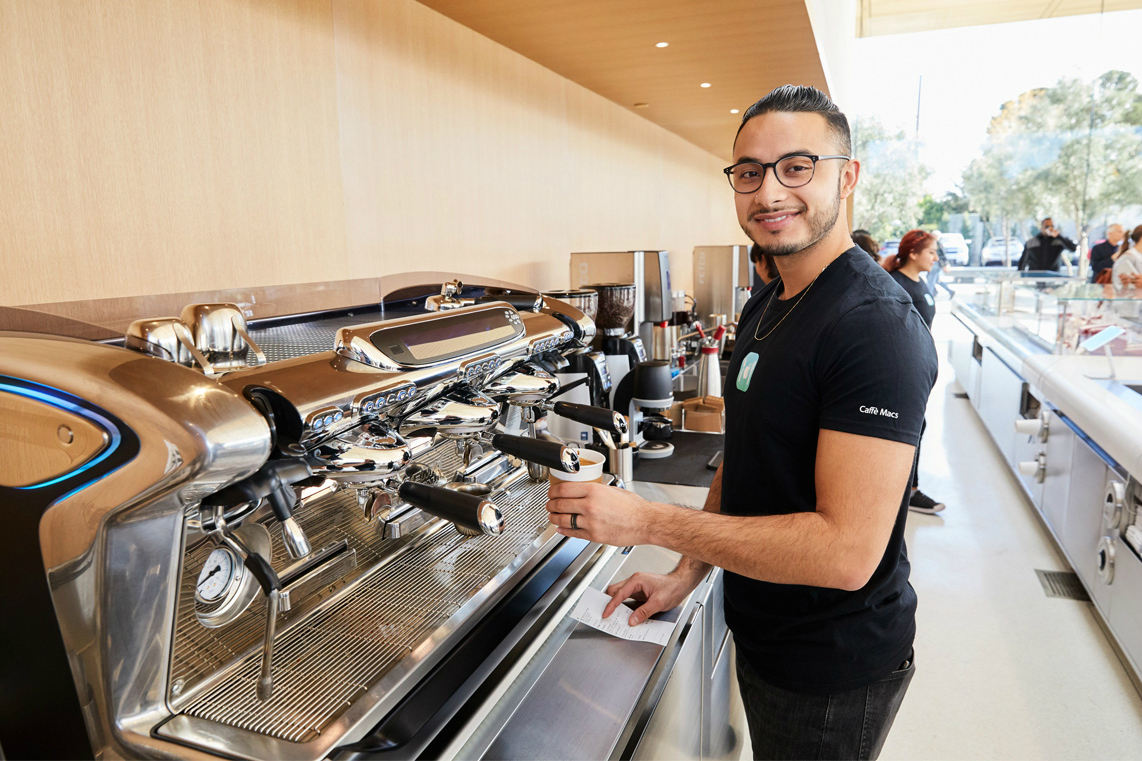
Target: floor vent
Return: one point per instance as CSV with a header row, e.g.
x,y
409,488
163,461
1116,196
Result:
x,y
1062,584
960,395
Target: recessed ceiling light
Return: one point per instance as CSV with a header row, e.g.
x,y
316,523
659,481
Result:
x,y
641,105
662,45
705,84
733,110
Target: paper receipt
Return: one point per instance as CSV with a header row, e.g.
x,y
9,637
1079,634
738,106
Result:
x,y
589,610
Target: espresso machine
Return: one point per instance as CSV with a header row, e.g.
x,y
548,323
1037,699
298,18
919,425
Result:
x,y
649,271
302,539
586,378
722,282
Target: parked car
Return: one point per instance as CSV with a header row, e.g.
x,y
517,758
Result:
x,y
955,248
889,248
992,253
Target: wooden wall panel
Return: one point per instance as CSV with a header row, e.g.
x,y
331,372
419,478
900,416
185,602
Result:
x,y
457,150
193,145
166,146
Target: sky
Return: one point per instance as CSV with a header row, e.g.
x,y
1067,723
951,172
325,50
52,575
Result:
x,y
963,76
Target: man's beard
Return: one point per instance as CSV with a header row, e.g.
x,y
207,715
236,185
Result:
x,y
820,224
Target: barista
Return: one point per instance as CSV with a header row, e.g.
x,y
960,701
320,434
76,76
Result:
x,y
829,396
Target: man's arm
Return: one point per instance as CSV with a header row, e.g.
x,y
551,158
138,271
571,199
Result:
x,y
660,593
860,481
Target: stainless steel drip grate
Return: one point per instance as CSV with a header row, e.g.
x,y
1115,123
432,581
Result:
x,y
324,663
289,341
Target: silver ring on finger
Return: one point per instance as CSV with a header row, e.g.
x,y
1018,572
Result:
x,y
574,521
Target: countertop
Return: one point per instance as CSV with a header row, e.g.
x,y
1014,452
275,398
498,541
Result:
x,y
1107,410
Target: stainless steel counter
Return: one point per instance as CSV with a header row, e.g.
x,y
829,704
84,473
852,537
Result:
x,y
582,694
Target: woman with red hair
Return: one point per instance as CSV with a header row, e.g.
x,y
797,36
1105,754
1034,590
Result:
x,y
917,253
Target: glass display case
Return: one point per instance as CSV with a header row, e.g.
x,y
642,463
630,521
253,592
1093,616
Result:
x,y
1060,313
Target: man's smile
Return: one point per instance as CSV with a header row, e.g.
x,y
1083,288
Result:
x,y
777,220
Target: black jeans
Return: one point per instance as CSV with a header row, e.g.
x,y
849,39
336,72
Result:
x,y
791,725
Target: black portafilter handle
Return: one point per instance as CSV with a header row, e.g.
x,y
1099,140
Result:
x,y
596,417
551,454
469,511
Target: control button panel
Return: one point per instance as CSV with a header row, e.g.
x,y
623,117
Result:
x,y
549,343
324,419
479,367
375,403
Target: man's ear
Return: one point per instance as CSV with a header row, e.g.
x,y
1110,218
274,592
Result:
x,y
849,177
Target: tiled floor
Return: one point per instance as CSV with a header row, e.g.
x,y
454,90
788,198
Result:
x,y
1002,671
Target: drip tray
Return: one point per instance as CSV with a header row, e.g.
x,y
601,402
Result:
x,y
354,658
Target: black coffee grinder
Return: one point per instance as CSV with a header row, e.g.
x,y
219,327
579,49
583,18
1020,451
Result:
x,y
621,347
643,395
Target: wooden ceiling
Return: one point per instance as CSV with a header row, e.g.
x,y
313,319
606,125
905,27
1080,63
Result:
x,y
899,16
743,48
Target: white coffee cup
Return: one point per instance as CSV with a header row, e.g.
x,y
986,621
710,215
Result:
x,y
590,468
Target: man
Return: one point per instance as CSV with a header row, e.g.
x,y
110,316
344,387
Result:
x,y
1104,254
1044,252
824,401
938,268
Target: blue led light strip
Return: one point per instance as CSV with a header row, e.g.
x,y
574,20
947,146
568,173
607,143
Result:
x,y
62,403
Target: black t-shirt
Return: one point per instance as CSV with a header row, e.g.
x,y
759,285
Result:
x,y
920,295
852,355
1101,257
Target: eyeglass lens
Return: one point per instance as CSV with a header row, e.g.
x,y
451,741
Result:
x,y
792,172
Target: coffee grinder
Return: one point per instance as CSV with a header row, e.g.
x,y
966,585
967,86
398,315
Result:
x,y
643,395
621,349
648,270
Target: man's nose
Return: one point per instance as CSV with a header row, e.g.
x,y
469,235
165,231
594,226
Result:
x,y
771,190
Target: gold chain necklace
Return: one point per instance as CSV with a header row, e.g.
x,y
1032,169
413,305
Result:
x,y
766,309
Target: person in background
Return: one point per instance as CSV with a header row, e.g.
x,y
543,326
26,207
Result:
x,y
938,268
1044,252
1129,261
825,396
764,268
863,239
1104,254
917,253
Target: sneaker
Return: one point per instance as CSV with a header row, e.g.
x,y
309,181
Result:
x,y
920,502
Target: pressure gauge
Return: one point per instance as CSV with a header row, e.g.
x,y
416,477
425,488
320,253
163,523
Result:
x,y
225,588
220,574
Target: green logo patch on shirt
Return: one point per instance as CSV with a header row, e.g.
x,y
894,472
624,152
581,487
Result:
x,y
745,372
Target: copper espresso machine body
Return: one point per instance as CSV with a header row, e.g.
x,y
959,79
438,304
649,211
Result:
x,y
124,531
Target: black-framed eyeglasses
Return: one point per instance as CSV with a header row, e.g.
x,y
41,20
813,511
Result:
x,y
792,171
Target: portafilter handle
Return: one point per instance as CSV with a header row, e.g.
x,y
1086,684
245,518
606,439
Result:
x,y
602,418
550,454
470,511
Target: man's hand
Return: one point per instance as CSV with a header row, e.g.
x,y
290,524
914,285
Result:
x,y
655,591
600,513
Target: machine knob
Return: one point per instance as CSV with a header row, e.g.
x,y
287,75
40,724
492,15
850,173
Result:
x,y
1106,559
1036,468
1113,504
1032,427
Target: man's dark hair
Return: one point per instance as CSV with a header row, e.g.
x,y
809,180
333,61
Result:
x,y
803,99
